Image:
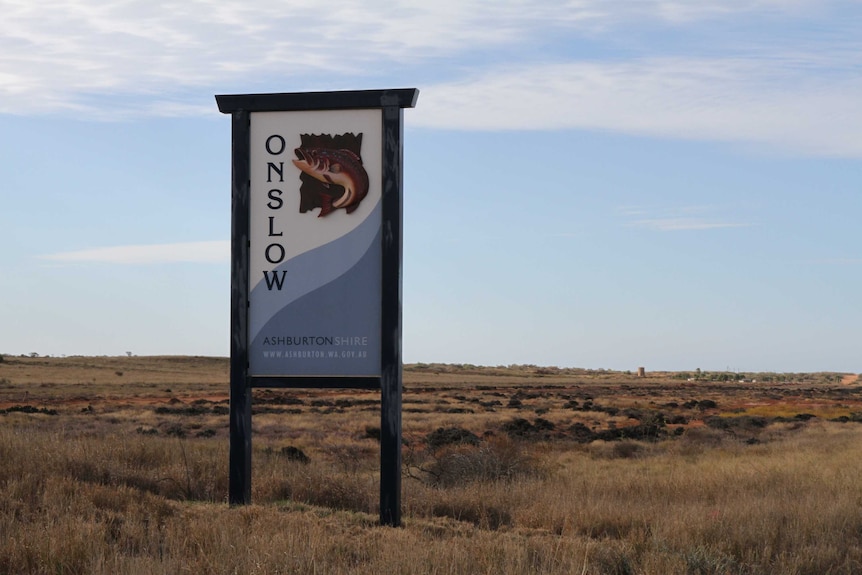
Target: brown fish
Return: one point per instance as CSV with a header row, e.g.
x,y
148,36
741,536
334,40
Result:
x,y
339,167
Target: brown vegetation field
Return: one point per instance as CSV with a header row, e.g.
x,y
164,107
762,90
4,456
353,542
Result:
x,y
120,464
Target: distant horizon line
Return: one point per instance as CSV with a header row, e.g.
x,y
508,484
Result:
x,y
456,365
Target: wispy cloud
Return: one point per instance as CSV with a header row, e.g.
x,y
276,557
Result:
x,y
738,100
837,261
683,224
688,218
51,57
167,58
684,11
187,252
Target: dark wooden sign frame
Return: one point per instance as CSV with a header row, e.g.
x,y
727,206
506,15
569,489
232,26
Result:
x,y
391,102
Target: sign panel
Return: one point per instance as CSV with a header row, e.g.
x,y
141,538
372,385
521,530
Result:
x,y
314,243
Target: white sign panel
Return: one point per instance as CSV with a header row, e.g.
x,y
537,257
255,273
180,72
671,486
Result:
x,y
315,255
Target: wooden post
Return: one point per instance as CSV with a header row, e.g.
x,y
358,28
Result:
x,y
390,382
240,389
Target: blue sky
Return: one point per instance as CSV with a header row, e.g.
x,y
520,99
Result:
x,y
601,184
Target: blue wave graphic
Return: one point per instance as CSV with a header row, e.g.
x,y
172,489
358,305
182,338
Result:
x,y
311,270
333,330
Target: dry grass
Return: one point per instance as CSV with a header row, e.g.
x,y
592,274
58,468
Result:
x,y
129,477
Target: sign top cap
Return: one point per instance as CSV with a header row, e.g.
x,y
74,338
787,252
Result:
x,y
303,101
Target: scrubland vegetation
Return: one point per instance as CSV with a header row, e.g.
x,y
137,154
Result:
x,y
119,465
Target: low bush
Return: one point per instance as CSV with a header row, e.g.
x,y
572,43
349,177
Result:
x,y
292,453
742,422
495,459
443,436
520,428
29,409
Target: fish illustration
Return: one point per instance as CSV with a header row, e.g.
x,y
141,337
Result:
x,y
335,168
